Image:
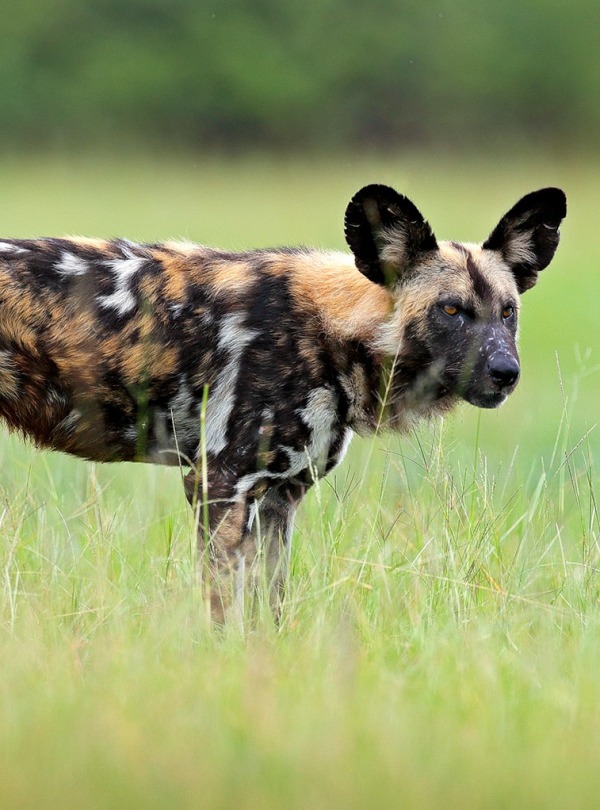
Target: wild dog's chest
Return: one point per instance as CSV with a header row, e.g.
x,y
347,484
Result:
x,y
321,451
300,444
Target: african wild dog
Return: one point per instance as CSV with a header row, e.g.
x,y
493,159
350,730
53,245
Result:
x,y
255,369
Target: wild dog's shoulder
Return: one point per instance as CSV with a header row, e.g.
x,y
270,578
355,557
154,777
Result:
x,y
327,285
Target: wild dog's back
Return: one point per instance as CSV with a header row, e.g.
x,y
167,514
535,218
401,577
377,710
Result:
x,y
106,347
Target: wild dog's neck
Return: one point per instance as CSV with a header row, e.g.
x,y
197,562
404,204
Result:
x,y
390,393
348,305
382,368
393,380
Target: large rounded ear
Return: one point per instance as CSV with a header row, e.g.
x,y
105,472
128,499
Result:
x,y
528,235
386,233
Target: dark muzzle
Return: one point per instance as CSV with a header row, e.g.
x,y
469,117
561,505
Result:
x,y
504,370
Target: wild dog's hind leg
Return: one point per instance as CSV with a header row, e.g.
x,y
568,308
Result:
x,y
272,528
225,547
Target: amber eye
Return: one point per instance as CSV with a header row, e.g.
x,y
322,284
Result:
x,y
450,310
508,312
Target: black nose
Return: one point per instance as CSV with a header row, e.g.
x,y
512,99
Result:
x,y
504,370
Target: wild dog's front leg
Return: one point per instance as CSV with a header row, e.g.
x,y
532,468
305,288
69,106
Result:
x,y
225,548
272,528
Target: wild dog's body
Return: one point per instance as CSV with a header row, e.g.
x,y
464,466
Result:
x,y
109,349
110,362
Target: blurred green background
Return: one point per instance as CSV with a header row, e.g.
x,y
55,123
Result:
x,y
336,73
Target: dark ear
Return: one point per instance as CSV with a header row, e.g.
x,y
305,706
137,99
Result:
x,y
386,233
528,235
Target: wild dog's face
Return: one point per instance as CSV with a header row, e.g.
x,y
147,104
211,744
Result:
x,y
467,324
457,305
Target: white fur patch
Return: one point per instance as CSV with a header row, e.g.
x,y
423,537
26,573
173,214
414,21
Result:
x,y
252,513
71,265
319,415
122,299
233,338
176,429
184,417
348,436
6,247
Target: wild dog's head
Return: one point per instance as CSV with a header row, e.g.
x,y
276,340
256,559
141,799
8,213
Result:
x,y
456,304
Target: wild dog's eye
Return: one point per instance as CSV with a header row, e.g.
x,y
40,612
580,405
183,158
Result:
x,y
449,309
508,312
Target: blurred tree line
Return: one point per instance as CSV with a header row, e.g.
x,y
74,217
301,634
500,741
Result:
x,y
299,72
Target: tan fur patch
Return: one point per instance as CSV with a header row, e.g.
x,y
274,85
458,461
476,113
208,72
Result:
x,y
184,248
86,242
229,277
176,275
329,287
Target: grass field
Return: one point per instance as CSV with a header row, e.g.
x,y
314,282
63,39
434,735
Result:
x,y
440,645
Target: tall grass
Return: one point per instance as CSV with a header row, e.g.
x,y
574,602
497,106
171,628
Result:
x,y
440,638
